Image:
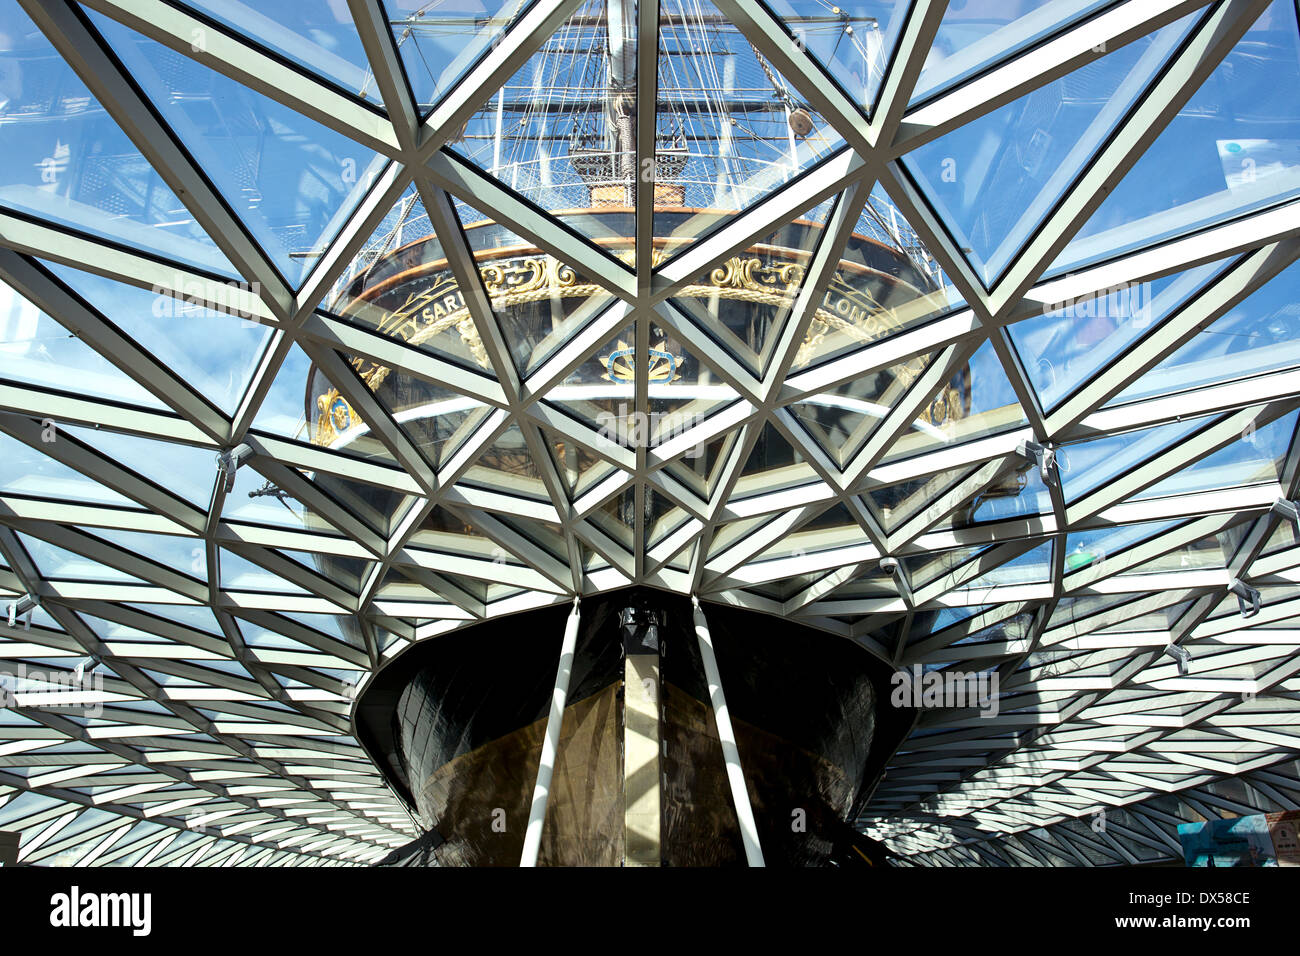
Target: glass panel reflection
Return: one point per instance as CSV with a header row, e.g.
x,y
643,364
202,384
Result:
x,y
1029,152
291,180
729,129
65,160
977,33
1071,341
976,402
319,37
853,40
1235,147
1262,334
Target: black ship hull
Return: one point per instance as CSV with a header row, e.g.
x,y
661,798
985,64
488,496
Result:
x,y
458,723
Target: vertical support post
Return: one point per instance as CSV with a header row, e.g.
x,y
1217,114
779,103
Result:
x,y
730,754
641,739
551,742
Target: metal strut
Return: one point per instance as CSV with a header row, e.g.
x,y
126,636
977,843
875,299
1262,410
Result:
x,y
551,743
730,754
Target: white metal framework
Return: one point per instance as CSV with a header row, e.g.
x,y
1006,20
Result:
x,y
182,687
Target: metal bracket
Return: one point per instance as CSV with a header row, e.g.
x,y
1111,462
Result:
x,y
1042,455
228,463
1289,510
23,606
88,663
1182,655
1247,597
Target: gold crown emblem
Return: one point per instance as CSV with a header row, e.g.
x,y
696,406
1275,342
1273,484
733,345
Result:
x,y
620,364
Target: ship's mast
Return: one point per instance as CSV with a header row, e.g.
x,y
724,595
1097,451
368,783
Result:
x,y
620,99
729,128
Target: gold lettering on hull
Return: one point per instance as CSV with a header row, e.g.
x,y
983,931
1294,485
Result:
x,y
848,309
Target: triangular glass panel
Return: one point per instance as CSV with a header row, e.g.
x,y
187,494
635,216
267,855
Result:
x,y
562,130
539,302
441,42
1018,492
340,627
474,587
873,583
842,418
601,392
1066,345
732,532
784,589
578,468
1030,152
1202,553
401,285
292,181
894,504
837,516
833,528
375,506
977,401
30,473
1095,546
927,624
972,37
1282,538
729,128
119,638
282,411
66,161
700,466
1234,148
215,353
887,282
36,350
854,42
181,469
773,463
444,530
199,617
185,555
1032,567
55,563
681,390
616,517
744,303
507,465
317,37
1262,334
303,404
257,500
547,535
1257,456
344,571
1086,465
924,569
663,516
438,421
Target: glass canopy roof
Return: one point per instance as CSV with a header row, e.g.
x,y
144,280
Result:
x,y
327,328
